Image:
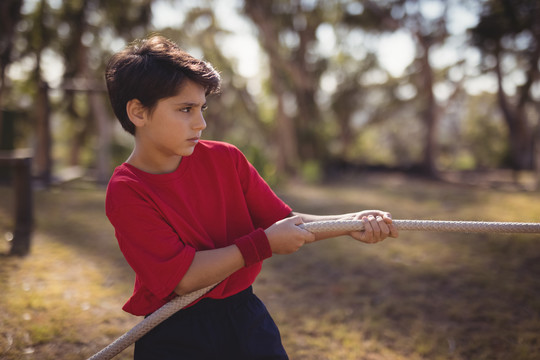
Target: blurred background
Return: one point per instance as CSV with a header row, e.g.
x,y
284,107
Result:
x,y
311,87
429,109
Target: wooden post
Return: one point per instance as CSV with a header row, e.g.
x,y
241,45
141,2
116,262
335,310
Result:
x,y
21,163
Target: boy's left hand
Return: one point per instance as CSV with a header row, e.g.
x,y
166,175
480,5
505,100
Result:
x,y
377,226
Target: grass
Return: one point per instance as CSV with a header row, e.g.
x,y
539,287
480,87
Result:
x,y
422,296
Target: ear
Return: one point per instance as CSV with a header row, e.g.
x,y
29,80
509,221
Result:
x,y
136,112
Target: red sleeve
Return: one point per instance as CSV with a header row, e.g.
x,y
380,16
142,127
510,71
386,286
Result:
x,y
151,247
254,247
264,205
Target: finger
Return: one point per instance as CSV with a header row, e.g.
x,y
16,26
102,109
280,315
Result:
x,y
393,231
298,220
309,237
368,230
376,228
387,217
385,229
300,243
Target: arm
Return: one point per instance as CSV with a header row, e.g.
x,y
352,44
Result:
x,y
377,225
212,266
284,237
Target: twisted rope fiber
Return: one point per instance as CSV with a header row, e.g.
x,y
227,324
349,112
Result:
x,y
430,225
180,302
157,317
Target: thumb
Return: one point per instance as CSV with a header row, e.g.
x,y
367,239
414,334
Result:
x,y
296,219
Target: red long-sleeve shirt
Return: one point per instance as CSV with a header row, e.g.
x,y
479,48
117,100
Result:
x,y
212,199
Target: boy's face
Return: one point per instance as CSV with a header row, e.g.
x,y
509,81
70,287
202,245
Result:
x,y
175,125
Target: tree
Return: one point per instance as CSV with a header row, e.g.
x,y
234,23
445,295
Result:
x,y
9,17
289,38
77,34
40,35
508,34
89,22
427,33
294,75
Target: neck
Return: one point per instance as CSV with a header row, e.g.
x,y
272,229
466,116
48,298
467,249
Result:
x,y
153,166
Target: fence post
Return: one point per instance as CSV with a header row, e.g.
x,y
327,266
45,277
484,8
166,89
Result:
x,y
21,163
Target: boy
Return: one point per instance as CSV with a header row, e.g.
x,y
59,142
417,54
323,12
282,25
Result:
x,y
190,213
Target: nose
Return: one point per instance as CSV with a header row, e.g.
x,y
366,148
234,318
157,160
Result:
x,y
199,122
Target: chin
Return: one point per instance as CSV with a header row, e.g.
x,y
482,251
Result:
x,y
186,152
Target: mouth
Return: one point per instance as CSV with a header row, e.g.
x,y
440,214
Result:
x,y
194,139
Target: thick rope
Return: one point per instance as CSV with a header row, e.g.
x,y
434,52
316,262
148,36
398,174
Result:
x,y
430,225
148,324
180,302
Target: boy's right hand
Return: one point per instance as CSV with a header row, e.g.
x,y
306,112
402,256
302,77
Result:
x,y
285,237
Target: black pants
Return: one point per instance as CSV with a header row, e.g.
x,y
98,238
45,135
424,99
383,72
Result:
x,y
238,327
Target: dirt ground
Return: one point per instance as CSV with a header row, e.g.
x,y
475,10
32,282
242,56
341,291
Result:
x,y
422,296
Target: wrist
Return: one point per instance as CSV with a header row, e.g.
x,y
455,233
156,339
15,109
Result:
x,y
254,247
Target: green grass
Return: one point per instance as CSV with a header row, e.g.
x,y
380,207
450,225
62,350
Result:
x,y
421,296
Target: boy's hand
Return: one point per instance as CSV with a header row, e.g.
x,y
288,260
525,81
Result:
x,y
377,226
285,237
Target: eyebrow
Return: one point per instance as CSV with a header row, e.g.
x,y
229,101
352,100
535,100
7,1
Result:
x,y
193,104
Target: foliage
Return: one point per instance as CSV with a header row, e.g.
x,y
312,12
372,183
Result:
x,y
323,93
508,32
485,136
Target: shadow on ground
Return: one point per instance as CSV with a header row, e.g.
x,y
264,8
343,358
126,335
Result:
x,y
422,296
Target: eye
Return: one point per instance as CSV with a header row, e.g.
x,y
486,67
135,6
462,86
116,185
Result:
x,y
204,107
185,109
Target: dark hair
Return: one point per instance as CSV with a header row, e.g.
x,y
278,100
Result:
x,y
152,69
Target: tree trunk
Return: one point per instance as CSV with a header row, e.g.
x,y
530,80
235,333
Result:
x,y
313,146
430,113
104,136
10,13
286,133
42,152
287,159
536,155
42,156
78,141
519,137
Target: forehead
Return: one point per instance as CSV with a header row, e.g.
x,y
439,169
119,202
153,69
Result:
x,y
189,92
